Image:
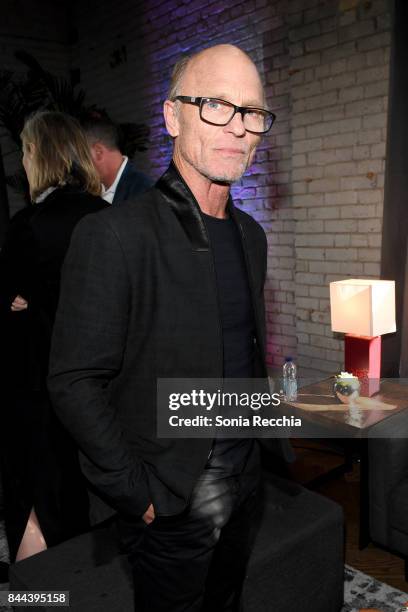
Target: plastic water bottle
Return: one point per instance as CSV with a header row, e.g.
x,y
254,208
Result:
x,y
289,380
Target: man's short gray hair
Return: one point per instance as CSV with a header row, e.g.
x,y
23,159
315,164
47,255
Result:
x,y
177,76
181,66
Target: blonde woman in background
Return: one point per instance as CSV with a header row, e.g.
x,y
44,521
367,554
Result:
x,y
45,496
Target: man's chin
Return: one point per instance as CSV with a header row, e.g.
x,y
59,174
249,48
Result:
x,y
227,176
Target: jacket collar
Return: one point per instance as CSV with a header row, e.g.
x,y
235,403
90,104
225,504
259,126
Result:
x,y
120,191
179,196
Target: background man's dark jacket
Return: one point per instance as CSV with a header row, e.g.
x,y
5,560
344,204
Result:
x,y
132,183
138,303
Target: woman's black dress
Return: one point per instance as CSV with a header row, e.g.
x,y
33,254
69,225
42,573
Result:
x,y
39,462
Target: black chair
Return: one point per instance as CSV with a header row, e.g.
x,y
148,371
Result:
x,y
297,557
388,485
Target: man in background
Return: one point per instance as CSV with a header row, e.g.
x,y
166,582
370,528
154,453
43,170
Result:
x,y
120,179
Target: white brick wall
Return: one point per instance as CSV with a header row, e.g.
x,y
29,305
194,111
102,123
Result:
x,y
339,86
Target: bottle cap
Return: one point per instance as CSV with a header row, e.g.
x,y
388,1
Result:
x,y
288,359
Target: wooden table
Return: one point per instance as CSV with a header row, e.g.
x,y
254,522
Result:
x,y
326,417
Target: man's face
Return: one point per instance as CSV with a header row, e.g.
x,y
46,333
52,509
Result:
x,y
219,153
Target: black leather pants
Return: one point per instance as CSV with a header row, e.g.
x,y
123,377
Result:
x,y
195,561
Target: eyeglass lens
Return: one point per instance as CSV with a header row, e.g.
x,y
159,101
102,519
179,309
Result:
x,y
220,113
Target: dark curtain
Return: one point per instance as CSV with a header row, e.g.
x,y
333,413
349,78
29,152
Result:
x,y
395,221
4,207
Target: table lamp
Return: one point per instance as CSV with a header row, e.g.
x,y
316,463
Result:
x,y
364,310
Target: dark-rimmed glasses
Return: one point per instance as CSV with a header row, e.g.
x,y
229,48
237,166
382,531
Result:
x,y
220,112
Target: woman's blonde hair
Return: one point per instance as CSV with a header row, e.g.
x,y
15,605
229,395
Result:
x,y
61,153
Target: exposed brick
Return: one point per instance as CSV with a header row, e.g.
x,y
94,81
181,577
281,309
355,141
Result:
x,y
311,144
350,94
357,182
314,240
372,269
310,172
349,226
357,30
304,61
339,141
334,113
340,81
377,89
363,107
310,253
305,31
309,226
324,185
344,50
371,255
362,212
339,169
303,91
324,213
378,150
359,240
370,226
315,199
322,42
378,120
374,240
341,197
327,157
320,101
370,136
377,41
342,240
341,254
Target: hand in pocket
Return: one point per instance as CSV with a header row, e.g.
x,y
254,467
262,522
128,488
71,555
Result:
x,y
149,515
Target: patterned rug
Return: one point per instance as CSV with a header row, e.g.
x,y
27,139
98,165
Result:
x,y
360,590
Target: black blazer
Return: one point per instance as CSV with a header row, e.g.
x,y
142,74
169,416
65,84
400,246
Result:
x,y
138,302
131,183
30,265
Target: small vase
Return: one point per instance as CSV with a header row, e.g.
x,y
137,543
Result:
x,y
347,390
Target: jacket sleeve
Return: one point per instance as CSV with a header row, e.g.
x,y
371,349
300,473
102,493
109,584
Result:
x,y
86,355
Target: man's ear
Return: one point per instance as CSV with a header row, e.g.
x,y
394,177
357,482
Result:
x,y
97,151
171,118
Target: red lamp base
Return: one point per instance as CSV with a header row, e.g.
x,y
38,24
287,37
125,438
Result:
x,y
362,358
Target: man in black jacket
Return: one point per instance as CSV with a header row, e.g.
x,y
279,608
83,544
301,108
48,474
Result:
x,y
120,179
172,288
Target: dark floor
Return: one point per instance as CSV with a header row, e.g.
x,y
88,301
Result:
x,y
310,463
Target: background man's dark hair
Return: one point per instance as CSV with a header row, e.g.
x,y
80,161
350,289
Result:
x,y
104,130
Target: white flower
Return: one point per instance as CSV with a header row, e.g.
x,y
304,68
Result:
x,y
345,375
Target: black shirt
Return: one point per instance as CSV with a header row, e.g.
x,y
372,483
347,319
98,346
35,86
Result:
x,y
237,321
234,297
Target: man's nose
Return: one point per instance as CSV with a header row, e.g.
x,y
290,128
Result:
x,y
236,125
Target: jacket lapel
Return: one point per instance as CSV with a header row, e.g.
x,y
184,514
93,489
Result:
x,y
184,205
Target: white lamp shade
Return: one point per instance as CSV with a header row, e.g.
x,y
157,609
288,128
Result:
x,y
363,307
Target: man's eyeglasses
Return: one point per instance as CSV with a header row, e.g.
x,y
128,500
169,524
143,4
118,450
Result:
x,y
220,112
